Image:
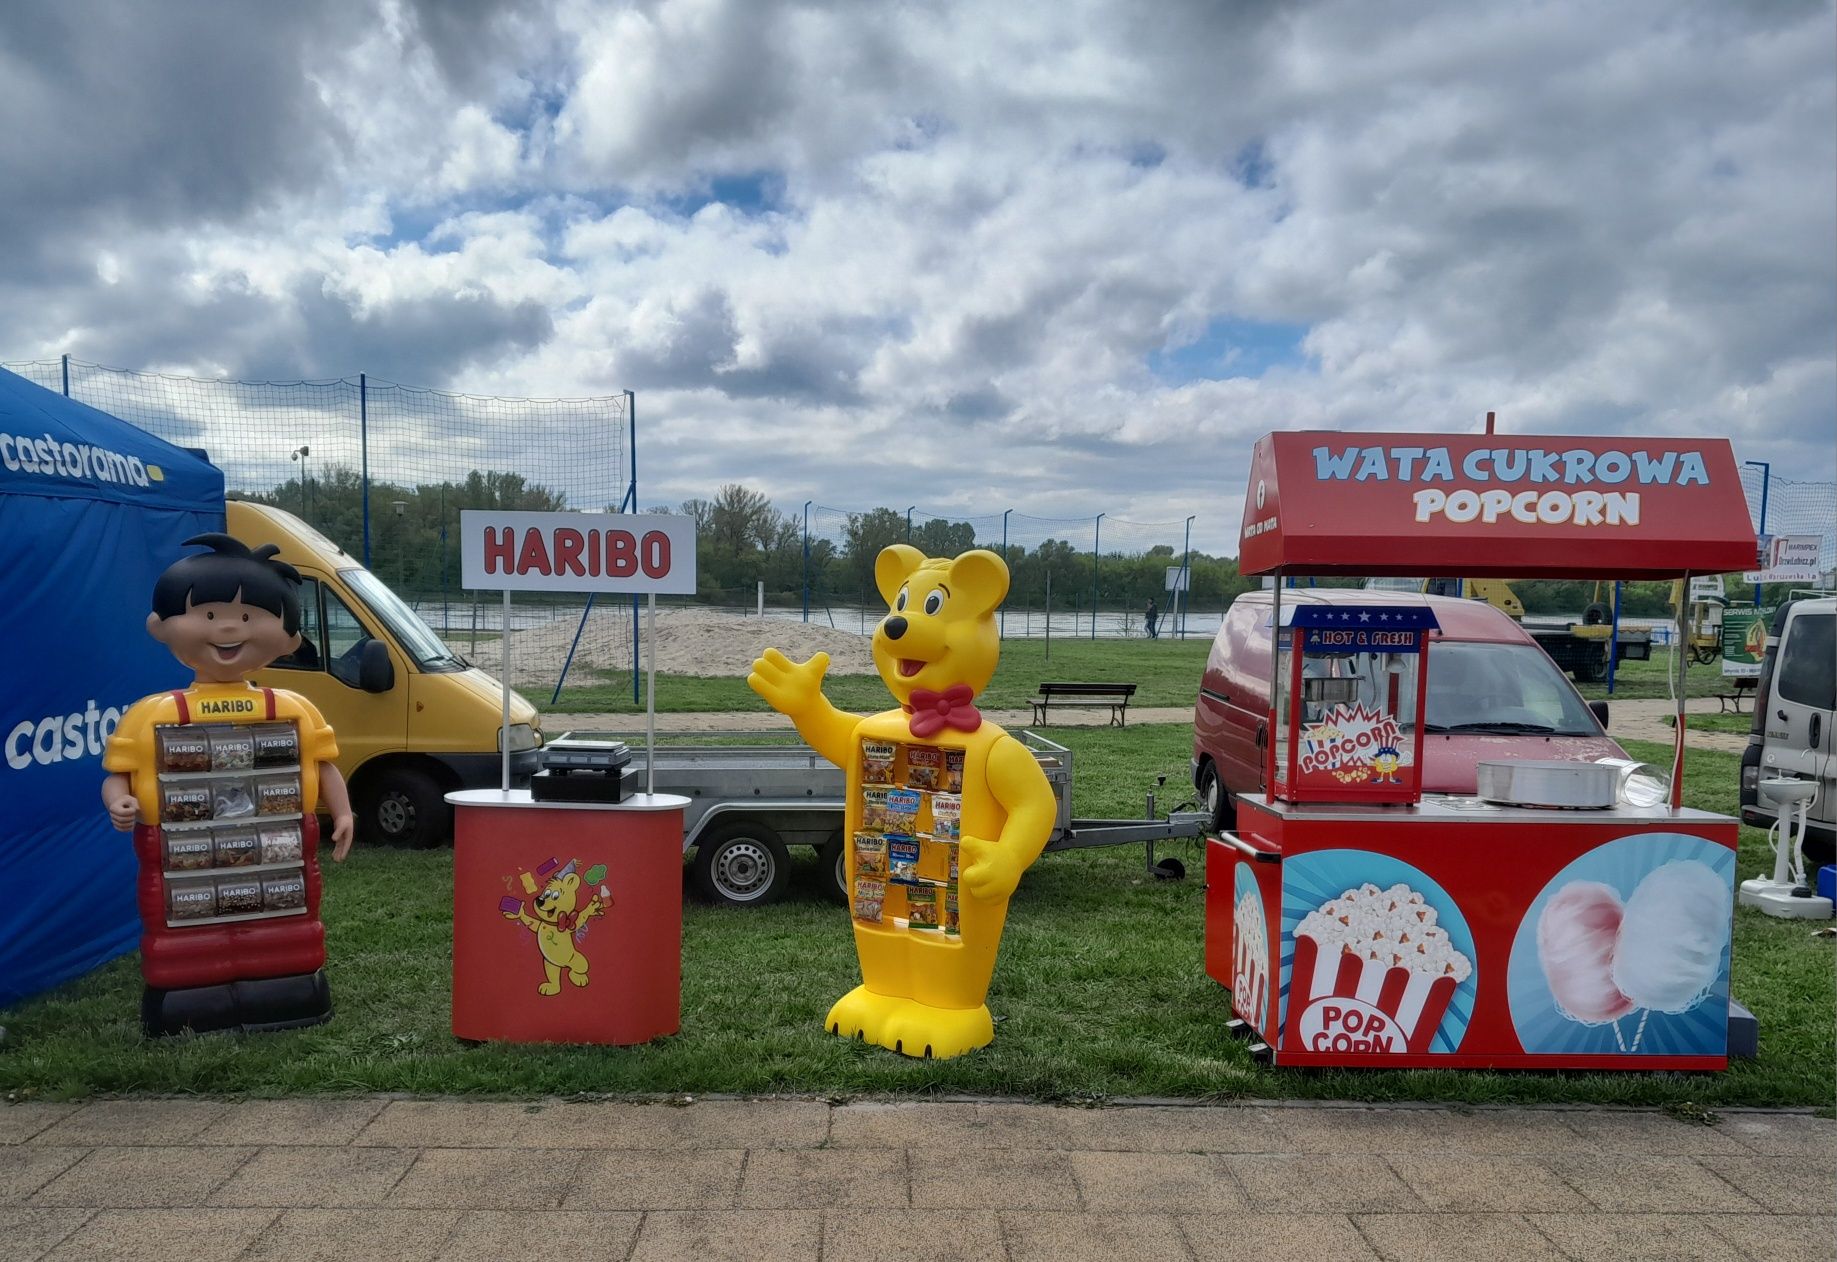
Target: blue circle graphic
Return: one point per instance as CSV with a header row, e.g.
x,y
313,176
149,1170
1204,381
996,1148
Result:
x,y
1318,877
1621,865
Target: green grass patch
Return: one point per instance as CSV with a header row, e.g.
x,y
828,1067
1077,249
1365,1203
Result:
x,y
1101,992
1165,672
1739,724
1645,680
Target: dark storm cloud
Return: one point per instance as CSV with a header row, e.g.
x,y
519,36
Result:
x,y
409,340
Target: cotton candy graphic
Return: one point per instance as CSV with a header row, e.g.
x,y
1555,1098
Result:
x,y
1671,937
1576,937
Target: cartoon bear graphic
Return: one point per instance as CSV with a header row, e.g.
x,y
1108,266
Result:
x,y
923,994
553,919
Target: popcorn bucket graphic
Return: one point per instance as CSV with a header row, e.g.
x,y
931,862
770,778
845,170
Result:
x,y
1250,962
1371,972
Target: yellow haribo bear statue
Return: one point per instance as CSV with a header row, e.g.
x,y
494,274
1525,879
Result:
x,y
924,993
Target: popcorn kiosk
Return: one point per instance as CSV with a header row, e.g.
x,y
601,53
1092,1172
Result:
x,y
1565,914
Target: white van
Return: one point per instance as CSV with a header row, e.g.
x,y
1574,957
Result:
x,y
1793,714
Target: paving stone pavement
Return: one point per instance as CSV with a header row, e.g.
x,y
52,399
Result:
x,y
790,1180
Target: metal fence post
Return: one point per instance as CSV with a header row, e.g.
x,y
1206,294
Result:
x,y
1766,477
1002,630
64,361
807,504
1186,576
363,443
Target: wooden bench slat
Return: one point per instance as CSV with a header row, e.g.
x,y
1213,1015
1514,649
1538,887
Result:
x,y
1115,695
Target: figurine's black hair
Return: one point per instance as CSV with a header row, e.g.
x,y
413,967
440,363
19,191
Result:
x,y
229,569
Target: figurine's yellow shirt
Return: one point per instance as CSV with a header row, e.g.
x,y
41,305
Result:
x,y
131,749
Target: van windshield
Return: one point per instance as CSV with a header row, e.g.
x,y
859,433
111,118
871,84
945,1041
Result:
x,y
414,636
1508,689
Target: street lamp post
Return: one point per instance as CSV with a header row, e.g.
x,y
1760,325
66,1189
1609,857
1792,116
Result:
x,y
807,504
909,522
401,543
1766,477
1185,594
1096,539
300,453
1002,628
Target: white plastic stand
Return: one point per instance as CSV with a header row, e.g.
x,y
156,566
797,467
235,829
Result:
x,y
1786,894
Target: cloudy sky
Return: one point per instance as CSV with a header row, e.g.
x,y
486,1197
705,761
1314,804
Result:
x,y
1060,258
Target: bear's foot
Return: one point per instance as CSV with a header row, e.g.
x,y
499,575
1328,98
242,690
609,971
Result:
x,y
863,1014
549,988
578,978
937,1033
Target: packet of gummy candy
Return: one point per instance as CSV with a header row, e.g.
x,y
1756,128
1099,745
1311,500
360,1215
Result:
x,y
870,896
903,809
870,855
874,816
877,761
950,903
924,766
902,859
953,771
922,908
946,816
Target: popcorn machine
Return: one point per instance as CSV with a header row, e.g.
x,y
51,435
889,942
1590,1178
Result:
x,y
1555,918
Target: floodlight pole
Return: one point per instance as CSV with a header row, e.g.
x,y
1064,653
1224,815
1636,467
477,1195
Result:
x,y
1096,538
1186,576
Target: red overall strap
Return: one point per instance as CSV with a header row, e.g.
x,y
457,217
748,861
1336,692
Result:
x,y
178,699
268,696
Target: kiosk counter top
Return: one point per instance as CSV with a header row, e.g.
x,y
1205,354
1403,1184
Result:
x,y
1441,808
519,799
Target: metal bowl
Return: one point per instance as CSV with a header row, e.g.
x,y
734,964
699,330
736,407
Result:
x,y
1579,786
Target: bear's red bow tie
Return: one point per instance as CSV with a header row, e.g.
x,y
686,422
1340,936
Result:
x,y
933,711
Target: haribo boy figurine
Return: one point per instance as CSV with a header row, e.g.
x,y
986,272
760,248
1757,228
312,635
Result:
x,y
220,784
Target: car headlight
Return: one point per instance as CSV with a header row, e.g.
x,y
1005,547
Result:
x,y
522,737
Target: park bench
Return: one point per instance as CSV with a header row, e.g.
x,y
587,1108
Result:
x,y
1738,688
1116,696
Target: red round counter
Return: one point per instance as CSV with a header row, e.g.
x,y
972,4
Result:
x,y
567,918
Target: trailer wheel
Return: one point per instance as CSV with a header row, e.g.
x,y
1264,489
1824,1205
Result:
x,y
1214,800
1589,670
742,864
1703,657
1596,614
832,865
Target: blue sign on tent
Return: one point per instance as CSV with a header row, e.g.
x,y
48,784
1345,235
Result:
x,y
92,509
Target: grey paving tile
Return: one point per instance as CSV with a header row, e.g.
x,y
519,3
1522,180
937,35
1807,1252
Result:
x,y
1636,1237
489,1235
818,1178
458,1124
359,1235
873,1124
163,1235
24,1170
1093,1237
992,1178
1804,1184
1319,1183
125,1123
919,1235
315,1177
1455,1238
292,1123
1782,1134
783,1235
599,1124
1486,1184
1779,1237
1339,1129
1201,1128
31,1233
1276,1238
142,1178
651,1179
490,1178
1172,1182
1643,1131
1625,1184
19,1122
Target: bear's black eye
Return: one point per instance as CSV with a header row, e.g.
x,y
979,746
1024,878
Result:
x,y
899,601
245,617
209,616
934,602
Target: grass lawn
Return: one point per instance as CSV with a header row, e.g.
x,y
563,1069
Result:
x,y
1101,992
1646,679
1739,724
1165,672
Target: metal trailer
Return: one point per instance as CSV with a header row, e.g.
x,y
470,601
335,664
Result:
x,y
748,804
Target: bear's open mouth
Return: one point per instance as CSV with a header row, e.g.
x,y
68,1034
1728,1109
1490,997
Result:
x,y
908,667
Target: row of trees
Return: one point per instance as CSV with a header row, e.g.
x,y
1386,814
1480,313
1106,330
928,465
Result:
x,y
742,540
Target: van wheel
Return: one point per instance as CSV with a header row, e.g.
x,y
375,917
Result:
x,y
404,807
832,859
742,865
1214,800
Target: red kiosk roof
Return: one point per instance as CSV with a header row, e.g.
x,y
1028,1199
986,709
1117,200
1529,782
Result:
x,y
1491,505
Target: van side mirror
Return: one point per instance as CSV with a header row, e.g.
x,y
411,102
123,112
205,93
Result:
x,y
375,672
1599,709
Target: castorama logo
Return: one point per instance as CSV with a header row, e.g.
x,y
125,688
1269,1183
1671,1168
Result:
x,y
53,458
55,738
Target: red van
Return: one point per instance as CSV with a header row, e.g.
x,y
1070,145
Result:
x,y
1493,693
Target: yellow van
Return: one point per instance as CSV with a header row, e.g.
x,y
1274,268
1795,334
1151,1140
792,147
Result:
x,y
414,719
